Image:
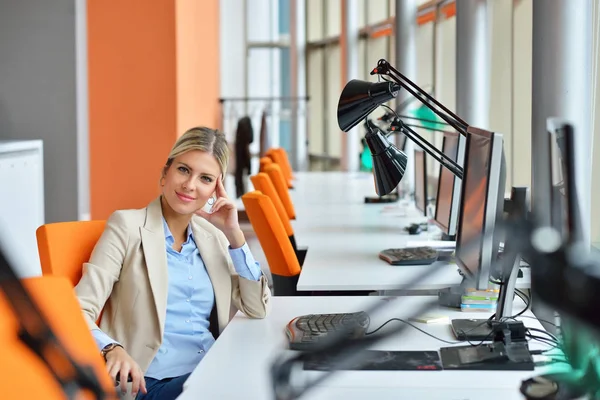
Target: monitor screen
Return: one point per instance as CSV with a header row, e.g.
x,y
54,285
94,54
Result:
x,y
445,190
420,181
564,212
482,186
401,143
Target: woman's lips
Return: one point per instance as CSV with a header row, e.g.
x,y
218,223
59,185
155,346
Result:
x,y
184,198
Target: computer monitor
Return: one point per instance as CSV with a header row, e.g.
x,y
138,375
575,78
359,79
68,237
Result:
x,y
482,202
564,208
401,141
447,201
420,181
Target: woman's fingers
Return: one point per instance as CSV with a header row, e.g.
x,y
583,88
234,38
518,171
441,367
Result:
x,y
124,375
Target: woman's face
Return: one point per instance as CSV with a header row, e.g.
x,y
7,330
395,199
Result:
x,y
190,181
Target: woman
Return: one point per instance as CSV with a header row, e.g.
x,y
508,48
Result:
x,y
165,277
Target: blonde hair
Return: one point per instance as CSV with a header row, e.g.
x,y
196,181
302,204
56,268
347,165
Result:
x,y
204,139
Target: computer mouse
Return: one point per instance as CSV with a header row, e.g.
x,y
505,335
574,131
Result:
x,y
413,229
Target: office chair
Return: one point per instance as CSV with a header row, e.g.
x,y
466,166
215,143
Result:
x,y
274,172
65,246
279,157
262,183
24,375
264,161
283,263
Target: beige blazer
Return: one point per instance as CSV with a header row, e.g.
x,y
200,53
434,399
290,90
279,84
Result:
x,y
127,280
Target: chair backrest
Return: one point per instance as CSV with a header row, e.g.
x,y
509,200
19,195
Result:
x,y
271,234
277,155
23,374
263,184
264,161
287,166
274,172
65,246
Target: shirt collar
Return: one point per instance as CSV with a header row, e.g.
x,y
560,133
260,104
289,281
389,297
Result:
x,y
169,236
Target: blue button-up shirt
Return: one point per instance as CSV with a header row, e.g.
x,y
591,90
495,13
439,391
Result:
x,y
190,301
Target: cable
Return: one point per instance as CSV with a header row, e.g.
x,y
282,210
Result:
x,y
541,320
545,332
545,341
412,325
523,297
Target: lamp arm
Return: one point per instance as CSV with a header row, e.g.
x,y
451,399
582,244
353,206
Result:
x,y
385,68
423,120
431,129
433,151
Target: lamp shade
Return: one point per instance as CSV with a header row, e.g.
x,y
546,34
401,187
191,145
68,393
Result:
x,y
389,163
360,98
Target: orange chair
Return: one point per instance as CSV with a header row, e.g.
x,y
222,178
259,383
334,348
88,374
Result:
x,y
274,172
65,246
271,234
264,161
279,157
287,166
24,374
263,183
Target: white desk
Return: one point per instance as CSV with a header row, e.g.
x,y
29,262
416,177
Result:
x,y
344,237
237,366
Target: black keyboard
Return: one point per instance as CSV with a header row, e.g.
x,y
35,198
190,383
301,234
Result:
x,y
410,255
306,331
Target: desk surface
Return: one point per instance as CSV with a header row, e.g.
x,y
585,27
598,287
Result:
x,y
237,366
344,237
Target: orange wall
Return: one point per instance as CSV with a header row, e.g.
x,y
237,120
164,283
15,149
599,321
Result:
x,y
146,85
197,34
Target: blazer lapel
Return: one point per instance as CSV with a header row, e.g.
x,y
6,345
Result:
x,y
211,252
153,244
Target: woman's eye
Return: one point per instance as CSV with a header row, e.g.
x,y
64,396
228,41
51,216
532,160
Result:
x,y
183,169
207,179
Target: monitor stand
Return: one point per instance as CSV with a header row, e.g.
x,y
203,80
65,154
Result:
x,y
387,198
448,238
485,329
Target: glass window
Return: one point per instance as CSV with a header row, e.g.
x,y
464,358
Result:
x,y
333,82
377,11
334,17
314,20
315,88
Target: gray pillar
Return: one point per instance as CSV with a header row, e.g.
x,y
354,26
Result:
x,y
561,85
38,95
82,110
405,32
406,63
299,148
472,62
350,140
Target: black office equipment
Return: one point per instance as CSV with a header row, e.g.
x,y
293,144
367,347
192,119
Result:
x,y
307,331
410,256
493,356
380,360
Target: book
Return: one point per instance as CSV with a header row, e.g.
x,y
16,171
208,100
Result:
x,y
432,319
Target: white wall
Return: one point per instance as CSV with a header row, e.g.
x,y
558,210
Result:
x,y
522,65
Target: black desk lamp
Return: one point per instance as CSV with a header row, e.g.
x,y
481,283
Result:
x,y
360,98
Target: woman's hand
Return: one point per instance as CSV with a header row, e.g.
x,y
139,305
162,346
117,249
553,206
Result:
x,y
224,217
118,362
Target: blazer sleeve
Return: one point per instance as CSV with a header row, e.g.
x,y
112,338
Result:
x,y
253,298
103,270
